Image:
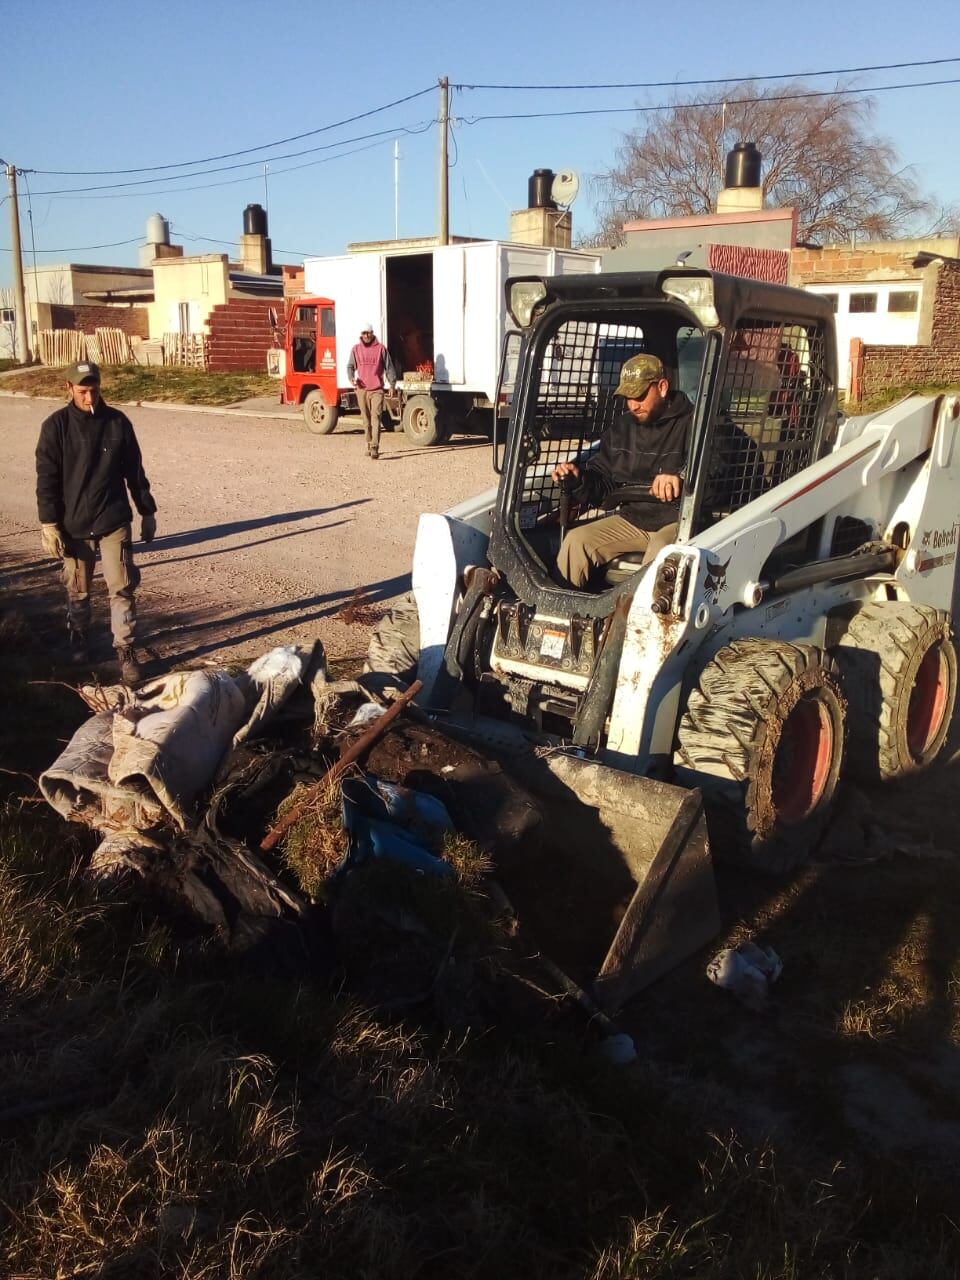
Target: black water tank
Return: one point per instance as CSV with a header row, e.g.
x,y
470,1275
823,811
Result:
x,y
538,189
744,163
254,220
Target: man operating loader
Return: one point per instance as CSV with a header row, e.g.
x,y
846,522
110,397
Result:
x,y
637,474
87,459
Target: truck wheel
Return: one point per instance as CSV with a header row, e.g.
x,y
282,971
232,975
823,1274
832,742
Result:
x,y
764,731
320,417
899,670
421,421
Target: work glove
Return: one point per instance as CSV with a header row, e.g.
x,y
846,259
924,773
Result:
x,y
148,528
52,540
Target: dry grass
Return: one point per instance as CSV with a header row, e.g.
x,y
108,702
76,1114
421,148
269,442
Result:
x,y
132,384
160,1116
315,846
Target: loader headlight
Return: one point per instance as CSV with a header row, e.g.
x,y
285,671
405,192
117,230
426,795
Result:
x,y
522,297
696,292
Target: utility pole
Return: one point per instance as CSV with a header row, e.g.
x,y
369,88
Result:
x,y
444,236
19,297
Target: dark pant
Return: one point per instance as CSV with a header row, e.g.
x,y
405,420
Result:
x,y
121,574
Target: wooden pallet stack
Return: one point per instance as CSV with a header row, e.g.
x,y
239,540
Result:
x,y
113,345
59,347
187,349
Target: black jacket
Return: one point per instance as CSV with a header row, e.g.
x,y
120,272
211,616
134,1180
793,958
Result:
x,y
85,464
630,455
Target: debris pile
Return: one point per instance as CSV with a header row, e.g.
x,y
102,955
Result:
x,y
301,820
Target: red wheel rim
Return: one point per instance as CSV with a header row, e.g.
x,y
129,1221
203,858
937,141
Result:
x,y
801,766
928,702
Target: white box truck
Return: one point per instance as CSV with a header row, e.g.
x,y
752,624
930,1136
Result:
x,y
441,313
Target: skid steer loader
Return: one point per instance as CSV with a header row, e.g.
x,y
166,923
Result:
x,y
798,628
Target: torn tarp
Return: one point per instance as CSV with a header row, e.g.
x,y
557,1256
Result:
x,y
147,759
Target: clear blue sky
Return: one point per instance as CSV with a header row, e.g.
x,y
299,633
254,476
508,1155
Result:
x,y
113,85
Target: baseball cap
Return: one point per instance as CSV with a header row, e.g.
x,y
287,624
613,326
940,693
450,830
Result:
x,y
367,328
636,375
83,371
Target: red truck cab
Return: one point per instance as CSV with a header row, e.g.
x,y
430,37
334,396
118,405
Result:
x,y
310,362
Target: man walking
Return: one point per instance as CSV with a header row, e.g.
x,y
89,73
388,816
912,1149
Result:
x,y
367,367
87,459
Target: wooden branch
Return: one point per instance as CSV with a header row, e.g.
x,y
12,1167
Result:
x,y
353,753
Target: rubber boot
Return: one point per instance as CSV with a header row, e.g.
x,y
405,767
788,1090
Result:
x,y
131,672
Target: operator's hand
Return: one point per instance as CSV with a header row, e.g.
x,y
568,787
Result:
x,y
52,540
148,528
565,469
666,488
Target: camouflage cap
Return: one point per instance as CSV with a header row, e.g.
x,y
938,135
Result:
x,y
636,375
83,371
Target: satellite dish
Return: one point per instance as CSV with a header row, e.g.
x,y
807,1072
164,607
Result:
x,y
564,188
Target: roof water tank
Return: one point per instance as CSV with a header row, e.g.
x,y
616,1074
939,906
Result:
x,y
538,189
744,163
158,229
254,220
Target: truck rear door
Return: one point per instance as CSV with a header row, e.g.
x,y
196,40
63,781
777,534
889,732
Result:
x,y
448,306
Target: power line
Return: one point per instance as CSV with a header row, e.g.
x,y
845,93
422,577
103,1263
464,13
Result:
x,y
696,106
70,193
228,182
243,164
230,155
84,248
686,84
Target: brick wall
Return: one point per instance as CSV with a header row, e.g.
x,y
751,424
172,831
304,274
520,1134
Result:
x,y
771,265
935,362
241,332
848,266
936,357
292,281
87,318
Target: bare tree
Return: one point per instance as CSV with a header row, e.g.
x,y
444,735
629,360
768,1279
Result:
x,y
819,156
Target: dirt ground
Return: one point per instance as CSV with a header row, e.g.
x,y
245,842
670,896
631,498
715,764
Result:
x,y
264,530
265,534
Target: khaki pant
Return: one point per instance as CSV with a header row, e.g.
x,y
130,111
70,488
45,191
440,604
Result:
x,y
592,544
371,411
122,578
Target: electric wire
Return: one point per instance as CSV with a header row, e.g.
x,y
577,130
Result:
x,y
243,164
686,84
230,155
697,106
229,182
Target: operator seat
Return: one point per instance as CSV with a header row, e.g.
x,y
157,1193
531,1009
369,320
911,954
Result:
x,y
622,567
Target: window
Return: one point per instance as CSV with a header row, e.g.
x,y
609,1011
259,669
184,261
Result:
x,y
862,302
833,299
328,324
6,315
903,300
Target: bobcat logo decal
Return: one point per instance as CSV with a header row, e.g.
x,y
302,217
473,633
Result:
x,y
716,579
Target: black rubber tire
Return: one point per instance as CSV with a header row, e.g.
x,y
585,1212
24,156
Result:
x,y
765,732
898,664
321,418
422,422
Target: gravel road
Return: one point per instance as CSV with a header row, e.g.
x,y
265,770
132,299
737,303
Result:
x,y
264,531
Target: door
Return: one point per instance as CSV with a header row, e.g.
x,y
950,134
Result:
x,y
449,304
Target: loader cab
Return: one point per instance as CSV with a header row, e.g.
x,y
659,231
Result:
x,y
755,360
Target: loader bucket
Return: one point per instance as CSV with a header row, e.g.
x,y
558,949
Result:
x,y
615,882
620,888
